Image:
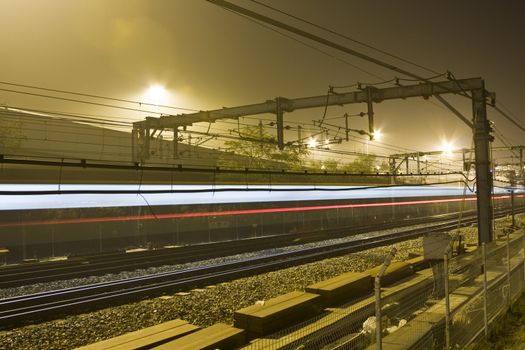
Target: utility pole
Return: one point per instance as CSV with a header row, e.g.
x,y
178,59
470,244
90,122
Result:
x,y
521,167
480,126
347,131
261,134
482,139
370,105
176,142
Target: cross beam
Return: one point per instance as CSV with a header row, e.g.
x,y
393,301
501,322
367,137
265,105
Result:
x,y
142,130
290,105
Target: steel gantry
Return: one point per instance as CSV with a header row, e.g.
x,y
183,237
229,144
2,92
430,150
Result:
x,y
143,131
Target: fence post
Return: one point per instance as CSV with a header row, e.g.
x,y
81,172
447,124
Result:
x,y
447,303
523,239
485,296
377,292
509,295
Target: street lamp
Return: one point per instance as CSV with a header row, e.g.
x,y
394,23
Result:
x,y
447,148
312,143
156,94
377,135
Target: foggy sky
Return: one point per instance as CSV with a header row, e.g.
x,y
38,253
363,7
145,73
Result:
x,y
209,58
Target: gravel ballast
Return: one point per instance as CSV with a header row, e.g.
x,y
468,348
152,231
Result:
x,y
202,307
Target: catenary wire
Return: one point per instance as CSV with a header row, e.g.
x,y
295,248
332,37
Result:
x,y
344,36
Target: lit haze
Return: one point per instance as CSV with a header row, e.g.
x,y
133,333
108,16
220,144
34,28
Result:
x,y
206,58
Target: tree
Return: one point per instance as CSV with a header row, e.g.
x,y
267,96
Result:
x,y
363,164
329,165
258,150
10,133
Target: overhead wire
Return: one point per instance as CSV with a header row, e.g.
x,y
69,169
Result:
x,y
344,36
509,118
224,189
97,96
80,101
308,45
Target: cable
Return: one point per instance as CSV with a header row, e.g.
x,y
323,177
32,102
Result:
x,y
97,96
345,37
325,108
226,189
81,101
509,118
307,45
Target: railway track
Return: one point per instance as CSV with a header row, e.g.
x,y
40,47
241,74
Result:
x,y
100,264
21,310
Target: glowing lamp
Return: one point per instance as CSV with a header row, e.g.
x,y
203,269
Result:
x,y
377,135
447,148
156,94
312,143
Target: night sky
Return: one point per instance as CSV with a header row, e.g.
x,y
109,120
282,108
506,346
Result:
x,y
208,57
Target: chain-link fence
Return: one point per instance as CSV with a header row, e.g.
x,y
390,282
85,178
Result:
x,y
448,304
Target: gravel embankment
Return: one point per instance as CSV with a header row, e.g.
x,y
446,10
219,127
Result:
x,y
202,307
55,285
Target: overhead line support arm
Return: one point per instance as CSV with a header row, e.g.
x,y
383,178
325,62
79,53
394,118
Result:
x,y
313,37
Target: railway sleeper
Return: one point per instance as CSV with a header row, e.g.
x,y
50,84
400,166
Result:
x,y
146,338
276,314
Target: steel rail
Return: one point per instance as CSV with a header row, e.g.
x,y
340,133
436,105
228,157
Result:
x,y
47,305
93,265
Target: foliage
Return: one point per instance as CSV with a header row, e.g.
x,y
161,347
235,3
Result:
x,y
10,135
257,150
363,164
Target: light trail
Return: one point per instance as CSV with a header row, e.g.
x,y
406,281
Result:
x,y
241,212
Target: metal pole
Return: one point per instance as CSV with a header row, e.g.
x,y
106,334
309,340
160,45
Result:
x,y
370,105
176,142
24,243
134,145
280,122
447,303
482,140
523,239
508,268
346,127
377,292
512,208
521,167
485,297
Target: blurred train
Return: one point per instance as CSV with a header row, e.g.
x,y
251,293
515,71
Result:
x,y
41,221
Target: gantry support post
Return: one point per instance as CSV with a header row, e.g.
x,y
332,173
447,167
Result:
x,y
280,122
465,167
482,140
346,128
370,105
522,171
176,142
134,145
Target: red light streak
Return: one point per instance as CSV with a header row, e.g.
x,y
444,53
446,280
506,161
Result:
x,y
239,212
